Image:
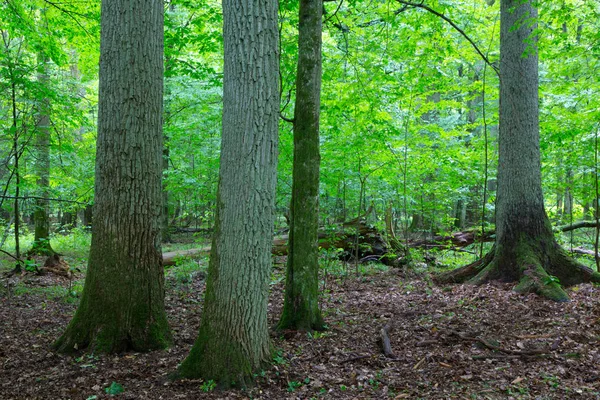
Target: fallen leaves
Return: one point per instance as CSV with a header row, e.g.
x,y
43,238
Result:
x,y
448,342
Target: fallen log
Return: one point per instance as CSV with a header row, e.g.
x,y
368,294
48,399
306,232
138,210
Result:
x,y
371,244
577,225
458,239
170,258
580,250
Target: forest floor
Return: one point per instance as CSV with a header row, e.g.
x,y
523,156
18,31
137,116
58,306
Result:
x,y
450,342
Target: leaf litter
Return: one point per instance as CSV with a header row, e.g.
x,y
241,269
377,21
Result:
x,y
448,342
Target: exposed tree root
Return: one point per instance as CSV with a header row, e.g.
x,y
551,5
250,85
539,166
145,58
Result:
x,y
463,274
536,269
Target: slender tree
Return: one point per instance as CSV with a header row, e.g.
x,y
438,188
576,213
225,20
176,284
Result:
x,y
301,305
525,250
233,341
122,305
41,241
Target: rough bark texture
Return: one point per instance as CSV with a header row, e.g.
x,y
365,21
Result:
x,y
301,305
122,306
41,241
525,250
233,341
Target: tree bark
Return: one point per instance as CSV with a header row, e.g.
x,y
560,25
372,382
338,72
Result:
x,y
525,250
301,304
233,341
122,305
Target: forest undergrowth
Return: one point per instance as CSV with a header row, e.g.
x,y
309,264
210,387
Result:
x,y
454,341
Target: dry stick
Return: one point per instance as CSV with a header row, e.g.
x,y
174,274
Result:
x,y
498,348
357,358
386,346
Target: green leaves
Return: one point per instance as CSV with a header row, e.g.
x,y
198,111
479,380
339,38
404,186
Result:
x,y
114,389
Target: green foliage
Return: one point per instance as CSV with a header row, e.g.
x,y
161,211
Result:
x,y
114,389
551,280
185,269
208,386
293,385
279,358
53,292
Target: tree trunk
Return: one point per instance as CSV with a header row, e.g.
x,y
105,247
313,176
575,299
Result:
x,y
233,341
122,305
525,250
301,305
41,241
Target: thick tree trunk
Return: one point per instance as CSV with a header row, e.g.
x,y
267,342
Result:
x,y
525,250
233,341
41,241
301,305
122,306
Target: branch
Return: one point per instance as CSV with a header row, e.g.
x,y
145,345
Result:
x,y
10,255
456,27
578,225
381,20
286,119
71,14
43,198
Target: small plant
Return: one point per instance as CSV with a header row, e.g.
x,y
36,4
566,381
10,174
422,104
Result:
x,y
316,335
550,280
114,389
31,266
343,388
293,385
278,358
87,360
208,386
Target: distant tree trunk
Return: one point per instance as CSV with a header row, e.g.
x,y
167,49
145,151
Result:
x,y
88,215
41,241
568,205
122,305
166,233
17,173
233,341
460,215
525,249
301,305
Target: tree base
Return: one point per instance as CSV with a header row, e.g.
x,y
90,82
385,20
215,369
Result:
x,y
221,360
107,328
534,270
41,248
294,321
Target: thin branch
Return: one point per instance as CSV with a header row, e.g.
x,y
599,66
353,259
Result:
x,y
43,198
286,119
334,13
10,255
70,14
456,27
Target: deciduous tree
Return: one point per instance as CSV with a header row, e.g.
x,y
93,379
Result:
x,y
525,250
233,341
122,305
301,305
